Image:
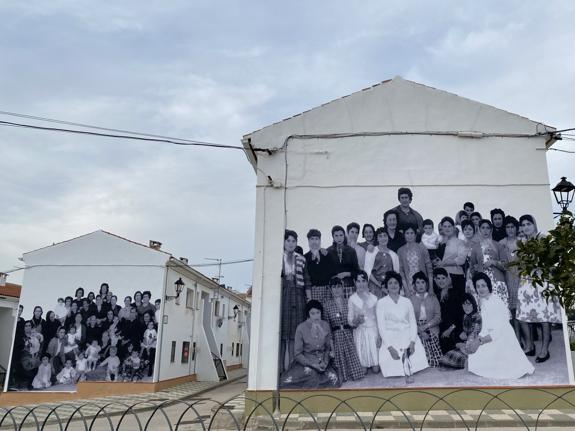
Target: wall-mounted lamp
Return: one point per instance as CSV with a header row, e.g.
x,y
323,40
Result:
x,y
564,191
179,285
236,311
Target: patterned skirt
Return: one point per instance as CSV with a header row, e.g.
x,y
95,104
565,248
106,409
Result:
x,y
319,293
432,349
454,359
300,377
292,308
347,363
533,307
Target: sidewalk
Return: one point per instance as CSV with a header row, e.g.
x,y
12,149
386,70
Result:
x,y
113,405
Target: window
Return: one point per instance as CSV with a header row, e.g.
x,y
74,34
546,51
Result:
x,y
194,351
173,353
223,310
217,308
197,300
221,350
241,349
190,299
238,349
232,349
185,352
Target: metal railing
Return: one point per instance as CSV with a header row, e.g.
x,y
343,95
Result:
x,y
319,411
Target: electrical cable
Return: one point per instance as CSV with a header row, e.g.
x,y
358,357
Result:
x,y
133,137
230,262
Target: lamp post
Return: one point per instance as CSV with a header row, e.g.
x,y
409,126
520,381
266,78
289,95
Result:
x,y
563,192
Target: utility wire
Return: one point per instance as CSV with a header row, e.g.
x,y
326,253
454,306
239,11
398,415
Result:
x,y
88,126
110,135
123,265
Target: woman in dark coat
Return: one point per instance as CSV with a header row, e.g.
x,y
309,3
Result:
x,y
345,258
396,238
451,312
320,267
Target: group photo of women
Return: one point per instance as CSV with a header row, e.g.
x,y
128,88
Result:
x,y
416,301
89,336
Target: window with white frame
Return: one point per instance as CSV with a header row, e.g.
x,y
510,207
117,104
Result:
x,y
190,298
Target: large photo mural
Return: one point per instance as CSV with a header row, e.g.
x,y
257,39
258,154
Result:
x,y
411,300
106,334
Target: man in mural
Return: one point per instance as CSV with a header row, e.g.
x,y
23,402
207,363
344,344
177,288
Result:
x,y
405,214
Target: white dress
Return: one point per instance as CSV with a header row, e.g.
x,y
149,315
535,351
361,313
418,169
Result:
x,y
501,358
365,335
398,328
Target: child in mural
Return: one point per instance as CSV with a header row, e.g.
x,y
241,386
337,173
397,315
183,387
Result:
x,y
68,374
81,366
44,374
430,239
93,351
71,341
133,367
457,358
149,346
60,309
112,364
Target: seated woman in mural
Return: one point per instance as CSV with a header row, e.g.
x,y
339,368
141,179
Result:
x,y
378,262
320,267
401,352
345,258
428,317
294,278
311,367
533,307
451,312
486,258
498,353
361,317
413,258
26,357
457,358
335,312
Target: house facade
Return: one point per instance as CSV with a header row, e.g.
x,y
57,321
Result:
x,y
344,162
173,334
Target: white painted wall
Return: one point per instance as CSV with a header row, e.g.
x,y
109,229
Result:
x,y
8,314
231,330
340,180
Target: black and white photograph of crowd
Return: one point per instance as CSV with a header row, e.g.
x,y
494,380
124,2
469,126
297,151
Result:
x,y
416,301
85,337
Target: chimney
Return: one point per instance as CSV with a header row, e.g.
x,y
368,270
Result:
x,y
184,260
156,245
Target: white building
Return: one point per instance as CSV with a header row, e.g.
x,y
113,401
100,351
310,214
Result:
x,y
345,160
189,328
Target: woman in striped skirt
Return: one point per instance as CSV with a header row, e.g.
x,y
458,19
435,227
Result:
x,y
347,362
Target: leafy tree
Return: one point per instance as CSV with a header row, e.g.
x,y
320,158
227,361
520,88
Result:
x,y
550,261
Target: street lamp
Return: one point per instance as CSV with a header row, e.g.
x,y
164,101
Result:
x,y
179,284
564,191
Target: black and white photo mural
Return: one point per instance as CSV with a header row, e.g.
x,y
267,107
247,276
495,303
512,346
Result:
x,y
409,299
94,333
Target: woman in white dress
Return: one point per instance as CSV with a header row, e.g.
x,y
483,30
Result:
x,y
361,316
401,352
498,354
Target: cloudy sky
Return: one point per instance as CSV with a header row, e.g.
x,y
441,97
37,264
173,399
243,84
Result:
x,y
214,70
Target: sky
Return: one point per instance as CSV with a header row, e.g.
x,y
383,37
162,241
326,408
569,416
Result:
x,y
216,70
